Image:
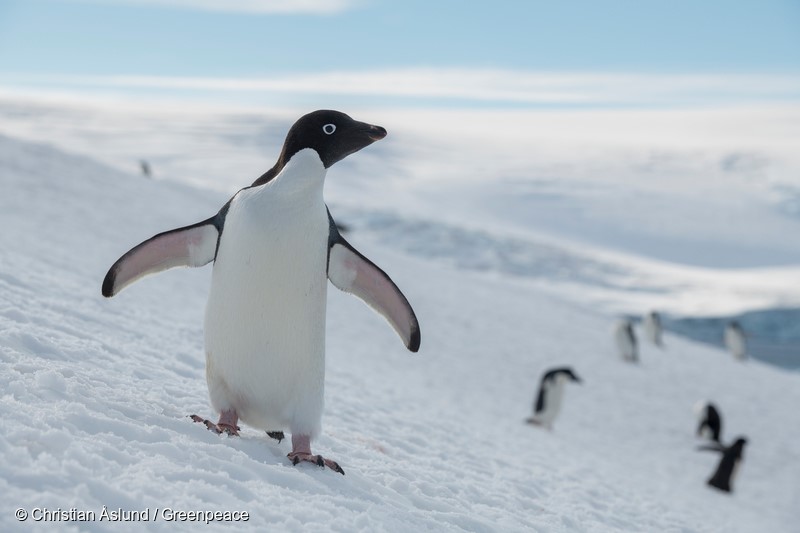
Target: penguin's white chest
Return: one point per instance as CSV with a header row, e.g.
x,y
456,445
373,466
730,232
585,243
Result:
x,y
554,395
736,343
265,318
652,329
625,343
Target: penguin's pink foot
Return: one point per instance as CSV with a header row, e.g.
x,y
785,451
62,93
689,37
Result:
x,y
227,423
297,457
536,422
301,451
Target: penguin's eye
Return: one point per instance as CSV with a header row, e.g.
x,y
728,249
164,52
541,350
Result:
x,y
329,129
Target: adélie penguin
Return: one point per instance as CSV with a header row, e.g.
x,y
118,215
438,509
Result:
x,y
274,246
550,396
735,340
710,425
728,467
625,339
653,329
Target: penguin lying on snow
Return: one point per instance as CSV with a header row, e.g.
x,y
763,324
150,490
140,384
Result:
x,y
551,393
729,464
274,246
710,421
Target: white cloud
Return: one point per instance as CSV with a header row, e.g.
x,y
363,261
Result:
x,y
249,6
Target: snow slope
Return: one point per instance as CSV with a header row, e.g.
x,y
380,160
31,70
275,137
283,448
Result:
x,y
693,212
95,393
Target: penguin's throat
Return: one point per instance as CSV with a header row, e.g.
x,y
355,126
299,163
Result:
x,y
304,174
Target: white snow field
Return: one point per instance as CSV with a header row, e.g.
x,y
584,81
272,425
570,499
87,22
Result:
x,y
95,393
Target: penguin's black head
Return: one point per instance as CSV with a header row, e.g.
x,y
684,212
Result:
x,y
565,371
572,375
332,134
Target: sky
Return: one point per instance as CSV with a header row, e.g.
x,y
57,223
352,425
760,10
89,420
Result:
x,y
443,53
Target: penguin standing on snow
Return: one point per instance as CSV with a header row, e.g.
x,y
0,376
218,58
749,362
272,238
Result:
x,y
274,246
735,340
147,172
710,425
729,464
551,394
652,328
626,341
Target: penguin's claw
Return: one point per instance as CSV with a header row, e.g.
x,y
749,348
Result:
x,y
318,460
277,435
211,426
231,430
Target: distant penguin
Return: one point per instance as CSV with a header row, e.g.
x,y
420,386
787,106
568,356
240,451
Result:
x,y
550,396
626,341
146,170
710,421
735,340
728,467
652,328
274,246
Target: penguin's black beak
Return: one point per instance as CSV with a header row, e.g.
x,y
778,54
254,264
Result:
x,y
375,133
356,136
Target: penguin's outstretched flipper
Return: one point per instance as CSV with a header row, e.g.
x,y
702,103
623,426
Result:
x,y
353,273
190,246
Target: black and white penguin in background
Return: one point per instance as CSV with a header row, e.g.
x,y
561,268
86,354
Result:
x,y
735,340
147,171
710,421
625,339
275,246
550,396
653,329
729,464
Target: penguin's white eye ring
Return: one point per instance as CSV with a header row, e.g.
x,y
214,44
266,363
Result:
x,y
328,129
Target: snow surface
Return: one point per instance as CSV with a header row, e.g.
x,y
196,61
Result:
x,y
95,393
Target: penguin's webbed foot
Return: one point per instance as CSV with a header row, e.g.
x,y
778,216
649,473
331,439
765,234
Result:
x,y
231,429
536,422
277,435
297,457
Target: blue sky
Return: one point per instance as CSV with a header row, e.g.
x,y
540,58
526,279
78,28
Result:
x,y
89,44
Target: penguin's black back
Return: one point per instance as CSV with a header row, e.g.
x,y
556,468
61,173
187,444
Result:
x,y
550,375
712,420
730,456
